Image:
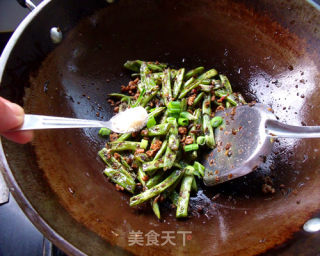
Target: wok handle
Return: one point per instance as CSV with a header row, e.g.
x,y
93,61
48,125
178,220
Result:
x,y
27,4
277,129
38,122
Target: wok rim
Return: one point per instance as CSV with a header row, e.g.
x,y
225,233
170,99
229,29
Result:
x,y
31,212
17,34
14,188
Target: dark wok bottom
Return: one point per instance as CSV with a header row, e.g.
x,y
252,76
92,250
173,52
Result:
x,y
263,61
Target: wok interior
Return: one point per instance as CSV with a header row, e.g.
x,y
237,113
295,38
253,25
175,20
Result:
x,y
271,59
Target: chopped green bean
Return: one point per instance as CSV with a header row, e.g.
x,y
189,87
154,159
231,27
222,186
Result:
x,y
194,72
180,107
158,130
216,121
156,190
120,179
151,122
104,132
191,147
201,140
178,82
183,201
183,121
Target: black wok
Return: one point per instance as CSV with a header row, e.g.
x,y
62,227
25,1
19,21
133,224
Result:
x,y
268,49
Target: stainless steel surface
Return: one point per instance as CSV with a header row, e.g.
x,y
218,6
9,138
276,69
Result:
x,y
39,122
277,129
245,140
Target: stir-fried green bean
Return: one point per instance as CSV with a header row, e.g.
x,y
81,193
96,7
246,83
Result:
x,y
154,163
156,190
183,200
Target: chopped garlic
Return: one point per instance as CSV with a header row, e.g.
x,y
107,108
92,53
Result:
x,y
130,120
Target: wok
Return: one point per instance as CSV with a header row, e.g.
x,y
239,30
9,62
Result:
x,y
268,49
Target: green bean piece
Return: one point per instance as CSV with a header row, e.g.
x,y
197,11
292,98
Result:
x,y
146,79
141,158
173,73
194,72
241,99
178,82
157,76
206,82
136,64
120,179
126,165
141,176
158,130
157,178
156,190
187,115
199,168
183,121
189,170
209,74
187,83
151,122
115,164
208,132
149,96
173,146
206,88
194,186
164,117
173,142
216,121
153,165
183,201
104,132
197,115
140,98
206,105
122,97
174,109
132,65
198,99
161,150
201,140
225,82
123,137
144,72
191,147
166,87
230,98
170,154
155,207
184,104
174,197
104,154
116,146
156,112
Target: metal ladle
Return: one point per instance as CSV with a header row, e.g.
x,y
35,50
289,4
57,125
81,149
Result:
x,y
245,139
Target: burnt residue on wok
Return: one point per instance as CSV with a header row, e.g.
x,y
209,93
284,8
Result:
x,y
268,58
